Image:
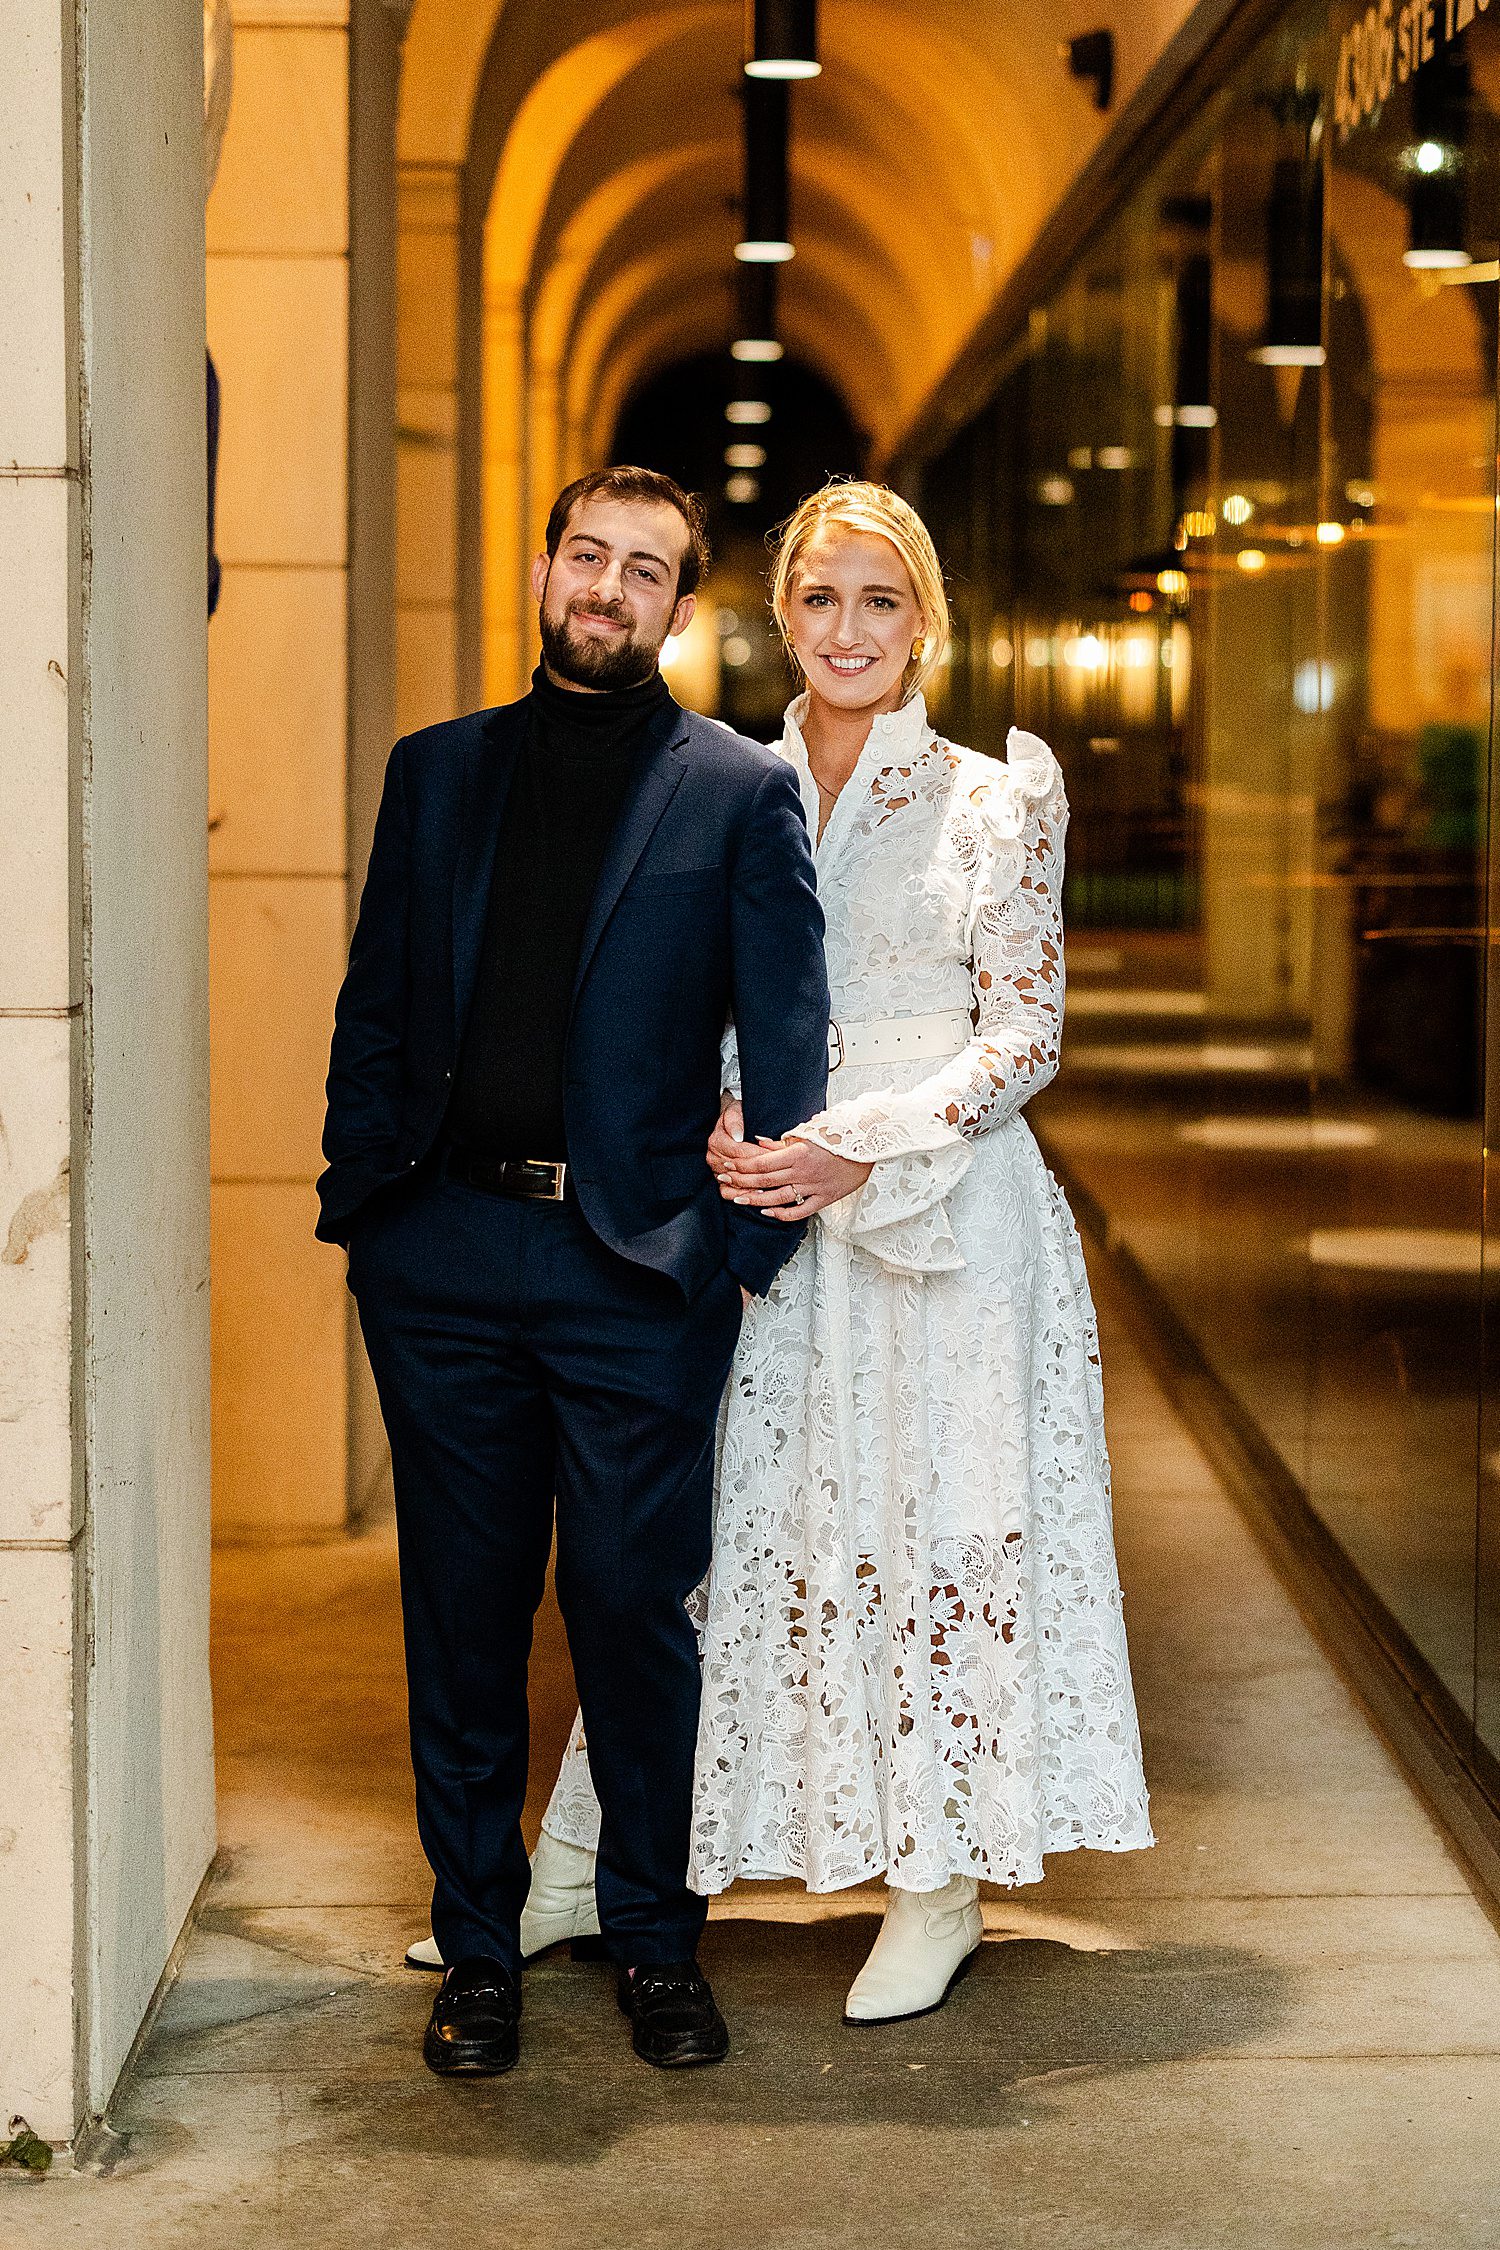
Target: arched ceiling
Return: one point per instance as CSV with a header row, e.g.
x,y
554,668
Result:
x,y
597,158
924,160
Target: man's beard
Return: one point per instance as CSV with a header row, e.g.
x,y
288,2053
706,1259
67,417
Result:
x,y
620,661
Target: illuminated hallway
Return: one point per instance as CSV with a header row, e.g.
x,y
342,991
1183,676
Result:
x,y
1181,331
1282,2027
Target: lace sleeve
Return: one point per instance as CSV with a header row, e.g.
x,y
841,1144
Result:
x,y
729,1062
1016,970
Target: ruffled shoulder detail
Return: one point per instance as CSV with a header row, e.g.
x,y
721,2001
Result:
x,y
1007,792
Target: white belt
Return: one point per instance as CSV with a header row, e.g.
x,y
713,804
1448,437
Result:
x,y
898,1038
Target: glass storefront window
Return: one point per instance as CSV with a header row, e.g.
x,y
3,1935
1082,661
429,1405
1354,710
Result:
x,y
1225,534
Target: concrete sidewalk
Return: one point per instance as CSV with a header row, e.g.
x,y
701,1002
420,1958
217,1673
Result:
x,y
1280,2029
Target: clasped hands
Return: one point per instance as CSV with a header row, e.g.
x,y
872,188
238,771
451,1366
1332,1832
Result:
x,y
788,1179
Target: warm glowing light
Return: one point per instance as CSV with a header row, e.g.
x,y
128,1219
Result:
x,y
737,651
1435,1250
1250,558
1114,457
1197,523
764,253
755,348
1429,157
1196,417
1086,653
744,456
1312,686
1140,600
1001,651
1360,495
1292,1134
784,66
1055,492
1435,261
1172,582
744,410
1330,535
1135,652
1038,651
1289,355
1081,457
741,489
1164,417
671,649
1237,509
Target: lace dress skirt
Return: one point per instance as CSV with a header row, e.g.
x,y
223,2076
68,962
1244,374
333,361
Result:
x,y
914,1657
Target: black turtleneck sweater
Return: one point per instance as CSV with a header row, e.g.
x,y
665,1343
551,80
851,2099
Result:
x,y
573,773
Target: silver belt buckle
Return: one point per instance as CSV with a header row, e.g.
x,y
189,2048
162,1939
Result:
x,y
835,1047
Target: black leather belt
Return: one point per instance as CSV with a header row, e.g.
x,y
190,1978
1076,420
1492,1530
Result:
x,y
533,1179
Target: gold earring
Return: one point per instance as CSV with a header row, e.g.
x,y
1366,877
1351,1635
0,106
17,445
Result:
x,y
917,650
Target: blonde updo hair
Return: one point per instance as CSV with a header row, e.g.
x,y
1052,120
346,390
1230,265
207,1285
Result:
x,y
855,506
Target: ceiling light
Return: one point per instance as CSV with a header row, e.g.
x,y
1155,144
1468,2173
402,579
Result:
x,y
783,39
1251,558
1294,264
1237,509
1330,534
744,456
767,236
741,489
1173,582
755,314
1430,157
747,410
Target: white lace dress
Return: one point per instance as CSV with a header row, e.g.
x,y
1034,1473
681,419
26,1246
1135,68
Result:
x,y
914,1659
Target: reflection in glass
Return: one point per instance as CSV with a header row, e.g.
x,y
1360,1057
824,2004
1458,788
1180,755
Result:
x,y
1225,535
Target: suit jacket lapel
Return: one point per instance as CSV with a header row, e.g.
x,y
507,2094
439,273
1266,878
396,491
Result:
x,y
488,770
662,768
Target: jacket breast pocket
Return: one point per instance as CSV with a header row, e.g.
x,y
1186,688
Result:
x,y
678,882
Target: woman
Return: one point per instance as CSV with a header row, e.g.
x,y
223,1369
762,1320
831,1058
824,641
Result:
x,y
913,1655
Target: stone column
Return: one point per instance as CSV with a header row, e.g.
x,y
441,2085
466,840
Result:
x,y
427,445
278,324
106,1803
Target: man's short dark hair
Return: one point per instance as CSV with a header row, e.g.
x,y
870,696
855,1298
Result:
x,y
639,484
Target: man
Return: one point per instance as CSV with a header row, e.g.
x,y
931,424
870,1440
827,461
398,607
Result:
x,y
566,899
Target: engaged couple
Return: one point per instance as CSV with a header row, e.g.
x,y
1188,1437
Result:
x,y
674,1132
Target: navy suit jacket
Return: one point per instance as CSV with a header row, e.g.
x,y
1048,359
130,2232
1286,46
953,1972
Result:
x,y
706,907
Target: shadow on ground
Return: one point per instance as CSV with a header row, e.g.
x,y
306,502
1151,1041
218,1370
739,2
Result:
x,y
1031,2012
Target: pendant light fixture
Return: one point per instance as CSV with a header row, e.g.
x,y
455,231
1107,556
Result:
x,y
1436,197
782,39
755,335
1294,265
766,240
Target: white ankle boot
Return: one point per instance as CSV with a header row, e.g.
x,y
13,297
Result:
x,y
926,1942
559,1906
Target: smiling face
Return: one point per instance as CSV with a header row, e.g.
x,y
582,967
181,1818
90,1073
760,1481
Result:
x,y
852,616
608,597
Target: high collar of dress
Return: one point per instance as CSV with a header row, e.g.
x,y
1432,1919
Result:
x,y
895,737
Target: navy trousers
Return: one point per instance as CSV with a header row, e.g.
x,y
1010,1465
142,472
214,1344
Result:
x,y
519,1360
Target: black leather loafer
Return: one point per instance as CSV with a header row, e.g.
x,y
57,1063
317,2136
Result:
x,y
474,2030
674,2023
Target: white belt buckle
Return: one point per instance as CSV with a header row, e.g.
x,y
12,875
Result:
x,y
835,1048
